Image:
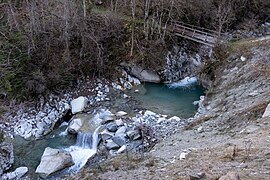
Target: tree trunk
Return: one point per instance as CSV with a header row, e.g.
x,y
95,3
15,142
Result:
x,y
133,26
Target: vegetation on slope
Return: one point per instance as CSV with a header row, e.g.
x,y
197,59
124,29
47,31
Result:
x,y
47,45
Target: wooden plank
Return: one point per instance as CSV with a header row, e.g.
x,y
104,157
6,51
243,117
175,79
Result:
x,y
196,40
202,37
195,27
194,33
180,27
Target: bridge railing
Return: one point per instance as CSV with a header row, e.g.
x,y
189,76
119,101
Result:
x,y
195,33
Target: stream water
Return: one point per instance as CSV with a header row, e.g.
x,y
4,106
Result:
x,y
28,153
173,99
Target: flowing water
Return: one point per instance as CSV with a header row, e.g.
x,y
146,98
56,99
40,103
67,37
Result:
x,y
81,148
28,153
86,147
173,99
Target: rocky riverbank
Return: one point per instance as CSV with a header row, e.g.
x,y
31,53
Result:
x,y
228,137
125,125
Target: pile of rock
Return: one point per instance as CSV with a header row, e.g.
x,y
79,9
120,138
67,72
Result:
x,y
119,137
125,82
17,174
39,123
161,125
6,156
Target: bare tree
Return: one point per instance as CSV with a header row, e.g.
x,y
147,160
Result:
x,y
146,18
224,14
133,6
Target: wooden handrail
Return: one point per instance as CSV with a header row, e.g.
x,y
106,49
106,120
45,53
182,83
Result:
x,y
195,33
194,27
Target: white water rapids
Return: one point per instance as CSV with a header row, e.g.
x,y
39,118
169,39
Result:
x,y
186,82
85,148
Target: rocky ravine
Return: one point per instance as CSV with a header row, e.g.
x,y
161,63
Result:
x,y
130,131
229,137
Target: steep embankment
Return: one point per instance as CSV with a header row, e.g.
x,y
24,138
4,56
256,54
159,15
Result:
x,y
229,135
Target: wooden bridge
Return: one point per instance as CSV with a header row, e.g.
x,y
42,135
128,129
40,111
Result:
x,y
194,33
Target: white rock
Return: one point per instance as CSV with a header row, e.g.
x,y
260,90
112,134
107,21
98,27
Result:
x,y
125,96
78,105
267,111
66,106
111,145
120,131
195,103
107,89
149,113
17,174
183,155
47,121
75,125
52,116
53,160
200,129
242,58
40,125
128,85
136,81
161,120
116,86
145,75
119,122
137,90
122,149
121,113
254,93
175,118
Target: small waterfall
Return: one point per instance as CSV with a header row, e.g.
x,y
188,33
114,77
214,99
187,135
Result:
x,y
84,140
86,147
186,82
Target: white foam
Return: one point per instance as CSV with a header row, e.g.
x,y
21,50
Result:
x,y
64,133
80,155
187,81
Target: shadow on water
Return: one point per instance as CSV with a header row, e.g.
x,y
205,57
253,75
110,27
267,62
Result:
x,y
176,101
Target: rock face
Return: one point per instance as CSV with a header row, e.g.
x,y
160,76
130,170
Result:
x,y
267,111
145,75
53,160
78,105
6,156
75,125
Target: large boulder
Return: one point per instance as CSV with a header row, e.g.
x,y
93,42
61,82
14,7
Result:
x,y
75,125
53,160
78,104
6,156
145,75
